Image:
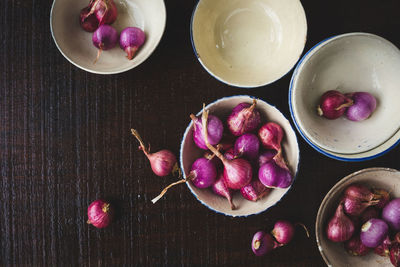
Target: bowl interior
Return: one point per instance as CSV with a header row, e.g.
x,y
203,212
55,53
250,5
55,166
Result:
x,y
76,44
334,253
190,152
349,63
249,43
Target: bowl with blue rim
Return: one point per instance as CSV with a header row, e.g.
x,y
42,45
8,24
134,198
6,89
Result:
x,y
352,62
189,152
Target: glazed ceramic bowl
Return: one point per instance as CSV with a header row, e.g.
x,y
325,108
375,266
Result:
x,y
334,253
248,43
348,63
190,152
76,44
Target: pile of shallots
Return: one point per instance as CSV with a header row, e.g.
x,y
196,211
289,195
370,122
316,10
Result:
x,y
367,220
247,157
97,18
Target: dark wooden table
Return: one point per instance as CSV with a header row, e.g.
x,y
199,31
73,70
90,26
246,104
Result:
x,y
65,141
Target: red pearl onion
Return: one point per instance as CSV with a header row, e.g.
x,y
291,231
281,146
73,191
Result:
x,y
130,40
244,118
340,228
162,162
100,213
333,104
271,135
254,191
263,243
215,129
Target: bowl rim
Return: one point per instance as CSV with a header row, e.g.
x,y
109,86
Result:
x,y
181,157
296,73
328,196
107,72
244,86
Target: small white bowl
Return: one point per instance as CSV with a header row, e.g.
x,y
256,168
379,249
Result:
x,y
248,43
333,253
76,44
348,63
190,152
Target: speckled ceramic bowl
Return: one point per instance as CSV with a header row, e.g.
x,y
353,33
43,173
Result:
x,y
248,43
76,45
334,253
348,63
190,152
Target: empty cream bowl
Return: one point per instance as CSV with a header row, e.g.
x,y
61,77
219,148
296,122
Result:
x,y
333,253
190,152
248,43
351,62
76,44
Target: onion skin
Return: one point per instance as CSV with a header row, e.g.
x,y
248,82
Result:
x,y
340,228
385,197
237,173
373,232
97,13
283,231
262,243
244,118
391,214
272,175
204,173
355,247
359,191
395,254
354,206
271,135
215,129
384,248
100,213
220,188
88,23
333,104
364,105
130,40
247,146
254,191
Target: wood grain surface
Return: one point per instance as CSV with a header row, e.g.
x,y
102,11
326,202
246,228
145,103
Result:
x,y
65,141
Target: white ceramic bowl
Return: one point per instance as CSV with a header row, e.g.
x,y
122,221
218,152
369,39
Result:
x,y
76,44
190,152
248,43
333,253
348,63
